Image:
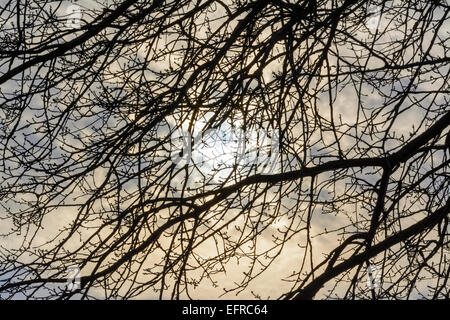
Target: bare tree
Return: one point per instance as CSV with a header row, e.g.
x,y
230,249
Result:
x,y
151,146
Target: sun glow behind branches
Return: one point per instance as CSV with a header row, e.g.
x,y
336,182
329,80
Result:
x,y
225,150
